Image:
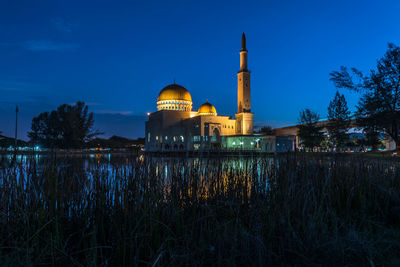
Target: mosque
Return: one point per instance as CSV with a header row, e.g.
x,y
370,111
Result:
x,y
176,127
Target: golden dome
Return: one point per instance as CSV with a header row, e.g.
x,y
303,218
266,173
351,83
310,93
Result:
x,y
174,92
174,97
207,109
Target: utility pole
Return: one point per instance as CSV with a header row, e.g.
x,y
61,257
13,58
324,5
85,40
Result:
x,y
16,127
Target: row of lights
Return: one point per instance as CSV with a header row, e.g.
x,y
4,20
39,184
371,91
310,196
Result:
x,y
175,138
241,143
174,108
174,102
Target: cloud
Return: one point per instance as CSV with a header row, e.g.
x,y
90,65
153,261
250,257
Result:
x,y
62,25
121,112
43,45
87,103
93,103
48,45
23,90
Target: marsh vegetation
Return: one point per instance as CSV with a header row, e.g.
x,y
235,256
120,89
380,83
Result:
x,y
294,209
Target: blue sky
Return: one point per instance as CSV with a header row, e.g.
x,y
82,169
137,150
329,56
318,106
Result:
x,y
117,55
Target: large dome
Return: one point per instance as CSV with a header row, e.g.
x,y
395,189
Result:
x,y
207,109
174,92
174,97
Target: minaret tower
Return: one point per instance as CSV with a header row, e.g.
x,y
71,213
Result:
x,y
244,117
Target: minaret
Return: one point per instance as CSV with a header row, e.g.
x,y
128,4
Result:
x,y
244,117
244,102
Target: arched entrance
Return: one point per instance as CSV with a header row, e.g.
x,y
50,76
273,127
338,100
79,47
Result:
x,y
216,139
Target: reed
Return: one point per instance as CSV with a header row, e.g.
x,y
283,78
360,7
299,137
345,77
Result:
x,y
294,209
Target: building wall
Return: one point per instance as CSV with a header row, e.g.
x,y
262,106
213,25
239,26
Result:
x,y
164,128
170,130
244,123
260,143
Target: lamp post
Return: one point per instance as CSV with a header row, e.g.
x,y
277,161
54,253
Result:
x,y
16,127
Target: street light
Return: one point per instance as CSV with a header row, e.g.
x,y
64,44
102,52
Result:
x,y
16,126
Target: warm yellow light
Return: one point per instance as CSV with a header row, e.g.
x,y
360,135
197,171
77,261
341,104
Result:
x,y
148,113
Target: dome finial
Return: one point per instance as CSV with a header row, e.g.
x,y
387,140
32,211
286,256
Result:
x,y
243,42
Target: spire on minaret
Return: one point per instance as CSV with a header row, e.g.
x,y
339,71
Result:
x,y
243,42
243,54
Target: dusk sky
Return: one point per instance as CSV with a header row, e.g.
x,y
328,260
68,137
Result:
x,y
117,55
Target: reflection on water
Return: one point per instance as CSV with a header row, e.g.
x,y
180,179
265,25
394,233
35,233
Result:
x,y
185,178
109,161
121,180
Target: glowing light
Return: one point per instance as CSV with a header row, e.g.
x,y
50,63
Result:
x,y
148,113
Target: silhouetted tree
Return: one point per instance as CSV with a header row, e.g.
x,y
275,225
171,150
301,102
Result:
x,y
339,121
372,137
70,126
310,133
379,107
266,130
45,129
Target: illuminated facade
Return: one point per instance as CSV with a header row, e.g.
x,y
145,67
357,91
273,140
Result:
x,y
176,127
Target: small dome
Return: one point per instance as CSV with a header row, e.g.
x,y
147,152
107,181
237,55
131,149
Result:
x,y
207,109
174,92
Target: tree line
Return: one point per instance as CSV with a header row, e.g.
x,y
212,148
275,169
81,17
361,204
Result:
x,y
69,126
378,110
311,130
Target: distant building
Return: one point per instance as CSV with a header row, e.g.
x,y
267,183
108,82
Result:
x,y
176,127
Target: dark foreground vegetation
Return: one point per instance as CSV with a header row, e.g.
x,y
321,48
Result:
x,y
295,210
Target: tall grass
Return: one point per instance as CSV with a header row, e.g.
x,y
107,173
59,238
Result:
x,y
291,210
